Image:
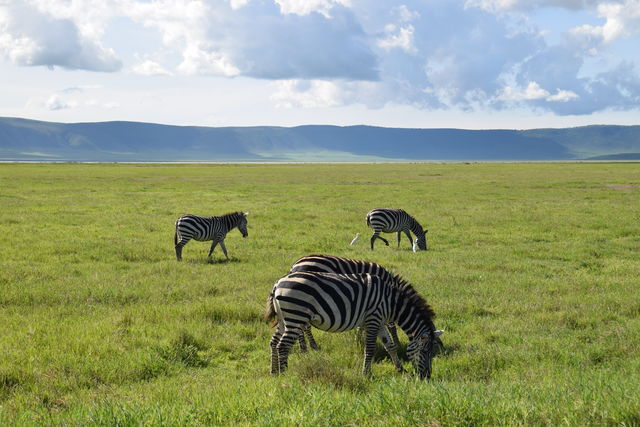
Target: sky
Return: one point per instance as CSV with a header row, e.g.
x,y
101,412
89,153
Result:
x,y
472,64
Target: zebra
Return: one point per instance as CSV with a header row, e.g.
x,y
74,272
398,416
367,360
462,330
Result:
x,y
334,264
208,228
339,302
396,220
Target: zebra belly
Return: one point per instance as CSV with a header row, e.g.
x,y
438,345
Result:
x,y
391,230
345,325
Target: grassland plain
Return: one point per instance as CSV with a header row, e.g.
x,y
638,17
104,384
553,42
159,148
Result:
x,y
533,270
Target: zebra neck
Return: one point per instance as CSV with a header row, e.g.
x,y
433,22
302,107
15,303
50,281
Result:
x,y
413,327
416,228
231,220
409,317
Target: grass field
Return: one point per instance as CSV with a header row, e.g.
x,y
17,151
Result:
x,y
532,269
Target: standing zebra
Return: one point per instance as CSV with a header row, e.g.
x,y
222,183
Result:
x,y
340,302
203,229
334,264
396,220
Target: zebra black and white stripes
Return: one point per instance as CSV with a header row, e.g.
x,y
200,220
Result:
x,y
396,220
208,228
334,264
340,302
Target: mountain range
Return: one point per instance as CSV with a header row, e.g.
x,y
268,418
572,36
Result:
x,y
31,140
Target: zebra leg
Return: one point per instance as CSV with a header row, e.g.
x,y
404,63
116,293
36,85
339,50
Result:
x,y
213,246
287,340
312,341
393,333
372,328
391,348
224,249
376,235
275,340
408,237
179,247
303,343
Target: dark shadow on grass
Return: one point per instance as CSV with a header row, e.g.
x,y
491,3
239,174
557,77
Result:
x,y
223,260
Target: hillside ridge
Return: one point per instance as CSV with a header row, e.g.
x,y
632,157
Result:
x,y
29,140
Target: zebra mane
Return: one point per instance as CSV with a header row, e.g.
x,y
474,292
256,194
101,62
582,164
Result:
x,y
230,214
413,296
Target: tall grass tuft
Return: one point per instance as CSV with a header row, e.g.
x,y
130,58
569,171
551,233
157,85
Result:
x,y
186,350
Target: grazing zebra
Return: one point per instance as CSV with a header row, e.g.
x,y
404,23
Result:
x,y
396,220
334,264
340,302
203,229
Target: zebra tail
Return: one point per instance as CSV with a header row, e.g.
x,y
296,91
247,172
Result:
x,y
270,312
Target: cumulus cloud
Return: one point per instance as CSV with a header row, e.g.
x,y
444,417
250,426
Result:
x,y
431,54
533,91
150,68
281,40
31,37
305,7
622,20
308,94
401,38
55,102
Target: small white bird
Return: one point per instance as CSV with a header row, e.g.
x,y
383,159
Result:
x,y
415,245
355,239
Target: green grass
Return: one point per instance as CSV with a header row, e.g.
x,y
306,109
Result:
x,y
532,270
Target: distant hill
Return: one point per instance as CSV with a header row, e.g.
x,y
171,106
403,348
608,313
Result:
x,y
22,139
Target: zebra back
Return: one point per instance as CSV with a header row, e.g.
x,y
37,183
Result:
x,y
335,264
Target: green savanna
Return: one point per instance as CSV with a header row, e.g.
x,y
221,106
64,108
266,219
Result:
x,y
532,269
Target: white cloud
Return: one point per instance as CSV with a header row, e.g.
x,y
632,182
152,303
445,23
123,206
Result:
x,y
305,7
150,68
237,4
531,92
431,54
262,39
562,96
401,38
308,94
31,37
622,21
534,92
55,102
405,14
199,60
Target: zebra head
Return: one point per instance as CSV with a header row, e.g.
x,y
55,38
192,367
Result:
x,y
421,241
421,351
242,225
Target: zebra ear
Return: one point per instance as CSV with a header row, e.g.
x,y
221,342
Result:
x,y
425,231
